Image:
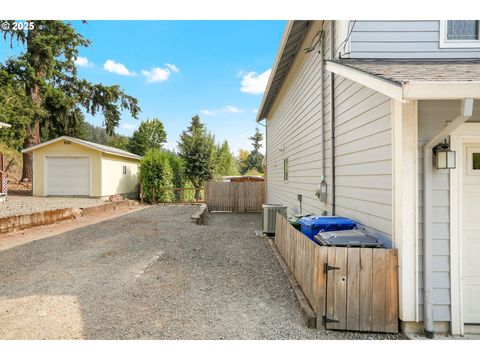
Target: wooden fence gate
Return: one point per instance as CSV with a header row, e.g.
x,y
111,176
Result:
x,y
348,288
235,196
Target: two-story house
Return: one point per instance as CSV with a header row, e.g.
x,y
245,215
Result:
x,y
379,121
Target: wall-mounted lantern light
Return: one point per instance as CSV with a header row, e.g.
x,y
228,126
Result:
x,y
444,157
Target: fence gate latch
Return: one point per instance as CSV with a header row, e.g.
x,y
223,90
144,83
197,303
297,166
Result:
x,y
326,320
327,268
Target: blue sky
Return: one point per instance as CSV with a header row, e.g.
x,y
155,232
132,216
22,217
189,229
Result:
x,y
176,69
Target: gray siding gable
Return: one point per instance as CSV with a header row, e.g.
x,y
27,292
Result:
x,y
402,39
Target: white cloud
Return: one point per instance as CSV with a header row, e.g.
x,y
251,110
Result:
x,y
255,110
208,112
117,68
83,62
253,83
172,68
231,109
156,74
128,126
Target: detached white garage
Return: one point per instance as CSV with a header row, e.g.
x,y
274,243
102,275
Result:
x,y
67,166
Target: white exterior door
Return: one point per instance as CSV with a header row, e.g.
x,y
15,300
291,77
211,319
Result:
x,y
67,175
471,233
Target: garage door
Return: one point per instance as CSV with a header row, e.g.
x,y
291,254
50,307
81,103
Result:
x,y
69,175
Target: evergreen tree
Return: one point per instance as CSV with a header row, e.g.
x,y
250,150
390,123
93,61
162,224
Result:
x,y
255,158
149,135
94,134
196,148
224,162
47,72
15,109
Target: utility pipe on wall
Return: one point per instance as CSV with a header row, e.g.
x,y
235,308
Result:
x,y
332,111
465,113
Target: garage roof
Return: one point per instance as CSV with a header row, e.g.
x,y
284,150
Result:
x,y
89,144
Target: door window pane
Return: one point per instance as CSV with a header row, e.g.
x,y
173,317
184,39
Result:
x,y
476,161
462,30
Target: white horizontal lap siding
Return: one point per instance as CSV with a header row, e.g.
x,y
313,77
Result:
x,y
402,39
363,157
432,117
295,124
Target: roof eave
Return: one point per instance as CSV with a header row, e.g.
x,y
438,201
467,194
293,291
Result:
x,y
281,48
441,90
408,90
292,38
393,90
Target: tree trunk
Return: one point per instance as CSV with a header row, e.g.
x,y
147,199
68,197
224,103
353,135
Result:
x,y
33,90
33,138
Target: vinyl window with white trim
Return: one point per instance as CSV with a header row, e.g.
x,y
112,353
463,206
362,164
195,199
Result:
x,y
460,33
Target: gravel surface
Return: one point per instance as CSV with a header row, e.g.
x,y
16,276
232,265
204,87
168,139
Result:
x,y
153,274
16,205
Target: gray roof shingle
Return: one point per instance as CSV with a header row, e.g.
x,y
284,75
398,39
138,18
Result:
x,y
404,71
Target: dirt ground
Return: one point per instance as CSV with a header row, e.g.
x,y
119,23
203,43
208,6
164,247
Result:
x,y
150,274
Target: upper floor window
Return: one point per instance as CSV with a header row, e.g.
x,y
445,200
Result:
x,y
459,33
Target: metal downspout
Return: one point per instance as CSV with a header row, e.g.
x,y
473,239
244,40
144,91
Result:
x,y
322,112
466,113
332,112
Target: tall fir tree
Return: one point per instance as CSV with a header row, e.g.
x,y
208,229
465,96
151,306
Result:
x,y
224,161
46,70
196,148
255,158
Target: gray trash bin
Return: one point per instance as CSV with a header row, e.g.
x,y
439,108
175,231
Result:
x,y
347,238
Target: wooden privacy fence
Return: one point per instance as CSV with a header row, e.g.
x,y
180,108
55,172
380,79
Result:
x,y
348,288
235,196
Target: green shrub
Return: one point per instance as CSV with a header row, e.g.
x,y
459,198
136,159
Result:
x,y
178,173
156,177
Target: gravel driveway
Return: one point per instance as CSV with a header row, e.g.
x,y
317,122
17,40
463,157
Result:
x,y
153,274
16,205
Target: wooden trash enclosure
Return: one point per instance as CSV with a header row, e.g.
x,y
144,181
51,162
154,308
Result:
x,y
235,196
348,288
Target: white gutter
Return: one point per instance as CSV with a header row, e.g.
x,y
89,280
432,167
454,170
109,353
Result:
x,y
465,114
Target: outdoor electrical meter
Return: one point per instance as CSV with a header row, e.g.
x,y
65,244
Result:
x,y
321,192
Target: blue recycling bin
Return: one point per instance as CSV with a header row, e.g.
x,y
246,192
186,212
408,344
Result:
x,y
312,225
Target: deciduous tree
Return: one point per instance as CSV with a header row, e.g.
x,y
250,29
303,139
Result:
x,y
149,135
